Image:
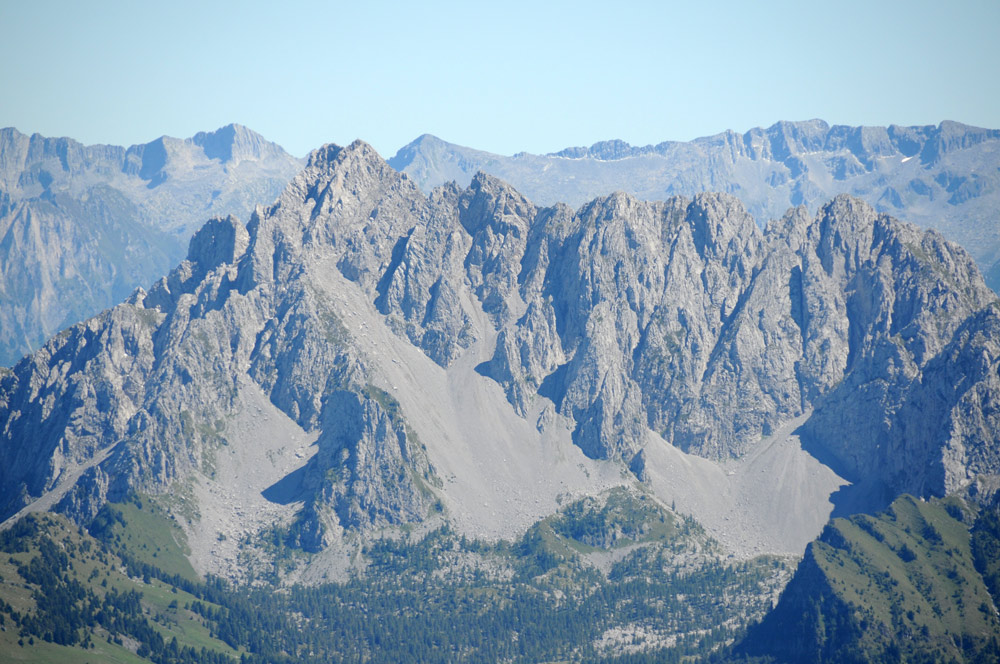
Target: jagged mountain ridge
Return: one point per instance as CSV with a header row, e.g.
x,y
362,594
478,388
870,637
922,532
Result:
x,y
82,226
945,177
32,165
362,338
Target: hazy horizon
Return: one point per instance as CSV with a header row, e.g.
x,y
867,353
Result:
x,y
505,79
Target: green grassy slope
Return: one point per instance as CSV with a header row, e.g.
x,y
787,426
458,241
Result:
x,y
69,597
901,586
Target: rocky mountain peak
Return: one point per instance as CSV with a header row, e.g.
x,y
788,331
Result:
x,y
421,148
949,137
616,205
602,150
148,160
424,140
942,176
234,143
324,156
332,159
109,219
335,182
491,200
31,164
218,242
720,224
332,170
791,138
846,231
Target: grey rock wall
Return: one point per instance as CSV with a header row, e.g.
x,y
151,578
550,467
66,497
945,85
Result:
x,y
943,177
681,316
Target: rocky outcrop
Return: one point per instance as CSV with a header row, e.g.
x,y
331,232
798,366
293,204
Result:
x,y
243,304
685,319
906,294
498,219
370,471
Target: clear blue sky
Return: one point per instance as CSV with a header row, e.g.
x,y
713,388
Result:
x,y
500,76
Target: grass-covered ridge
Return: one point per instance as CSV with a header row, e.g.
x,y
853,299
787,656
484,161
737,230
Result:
x,y
147,532
906,585
69,597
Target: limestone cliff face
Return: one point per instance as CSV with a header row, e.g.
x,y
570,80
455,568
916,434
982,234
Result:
x,y
906,294
498,219
680,317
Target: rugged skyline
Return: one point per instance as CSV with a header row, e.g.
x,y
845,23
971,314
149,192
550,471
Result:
x,y
637,414
670,334
945,177
82,226
589,71
85,225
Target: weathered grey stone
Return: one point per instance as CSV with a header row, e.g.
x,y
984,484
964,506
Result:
x,y
679,316
942,177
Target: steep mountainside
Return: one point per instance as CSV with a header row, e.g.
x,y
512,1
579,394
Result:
x,y
910,584
361,356
945,177
82,226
